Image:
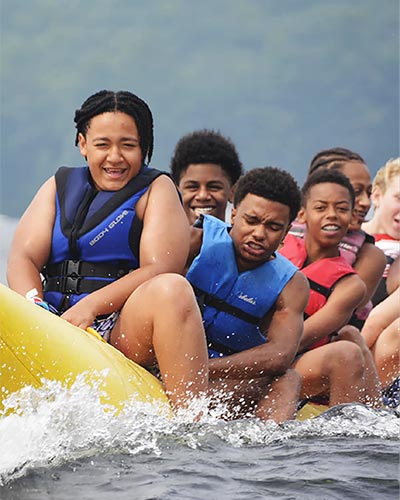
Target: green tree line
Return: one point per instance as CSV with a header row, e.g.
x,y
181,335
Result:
x,y
282,78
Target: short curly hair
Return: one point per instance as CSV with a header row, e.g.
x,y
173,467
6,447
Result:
x,y
206,146
327,175
272,183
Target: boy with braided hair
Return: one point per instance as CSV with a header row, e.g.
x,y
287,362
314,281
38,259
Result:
x,y
111,239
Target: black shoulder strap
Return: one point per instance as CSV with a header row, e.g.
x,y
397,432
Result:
x,y
221,348
369,238
323,290
208,299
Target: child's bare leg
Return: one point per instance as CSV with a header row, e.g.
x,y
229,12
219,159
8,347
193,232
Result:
x,y
161,321
373,387
263,397
386,353
279,402
335,369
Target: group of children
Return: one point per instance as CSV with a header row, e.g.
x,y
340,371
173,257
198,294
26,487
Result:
x,y
345,269
254,292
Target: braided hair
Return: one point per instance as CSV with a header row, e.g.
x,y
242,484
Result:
x,y
122,101
338,156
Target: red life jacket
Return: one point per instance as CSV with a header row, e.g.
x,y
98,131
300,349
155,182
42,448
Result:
x,y
322,275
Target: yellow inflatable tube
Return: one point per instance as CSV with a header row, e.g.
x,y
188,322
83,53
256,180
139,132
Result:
x,y
35,344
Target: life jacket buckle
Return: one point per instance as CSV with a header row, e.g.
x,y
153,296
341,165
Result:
x,y
69,284
71,268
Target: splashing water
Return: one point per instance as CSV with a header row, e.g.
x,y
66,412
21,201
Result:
x,y
54,425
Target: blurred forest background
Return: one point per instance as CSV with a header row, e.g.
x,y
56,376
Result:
x,y
282,78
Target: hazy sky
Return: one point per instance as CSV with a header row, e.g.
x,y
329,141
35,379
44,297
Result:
x,y
282,78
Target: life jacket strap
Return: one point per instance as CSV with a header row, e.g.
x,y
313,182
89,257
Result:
x,y
221,348
73,285
323,290
77,276
82,269
208,299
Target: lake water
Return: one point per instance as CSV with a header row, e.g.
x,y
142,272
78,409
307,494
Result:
x,y
66,446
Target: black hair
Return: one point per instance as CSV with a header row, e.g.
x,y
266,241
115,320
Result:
x,y
271,183
338,156
125,102
327,175
206,146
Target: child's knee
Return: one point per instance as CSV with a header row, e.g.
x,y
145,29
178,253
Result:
x,y
347,357
170,287
352,334
349,332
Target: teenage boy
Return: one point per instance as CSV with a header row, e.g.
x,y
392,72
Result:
x,y
252,298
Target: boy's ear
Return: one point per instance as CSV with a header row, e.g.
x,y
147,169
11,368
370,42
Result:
x,y
284,236
233,215
376,196
82,145
301,216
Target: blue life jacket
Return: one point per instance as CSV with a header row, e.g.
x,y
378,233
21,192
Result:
x,y
96,235
233,303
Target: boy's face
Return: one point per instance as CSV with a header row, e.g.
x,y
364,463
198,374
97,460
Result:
x,y
327,213
112,148
205,189
388,205
360,178
258,227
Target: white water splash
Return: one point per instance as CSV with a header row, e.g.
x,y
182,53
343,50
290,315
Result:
x,y
54,425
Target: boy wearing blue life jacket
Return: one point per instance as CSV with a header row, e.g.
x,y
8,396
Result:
x,y
252,299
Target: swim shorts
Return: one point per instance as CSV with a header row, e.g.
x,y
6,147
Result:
x,y
104,325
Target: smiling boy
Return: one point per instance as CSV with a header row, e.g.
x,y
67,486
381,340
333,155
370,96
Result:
x,y
205,166
336,366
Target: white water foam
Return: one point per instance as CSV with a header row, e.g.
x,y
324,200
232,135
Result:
x,y
54,425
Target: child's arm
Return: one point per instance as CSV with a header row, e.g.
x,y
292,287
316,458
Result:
x,y
381,317
285,329
346,296
370,264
